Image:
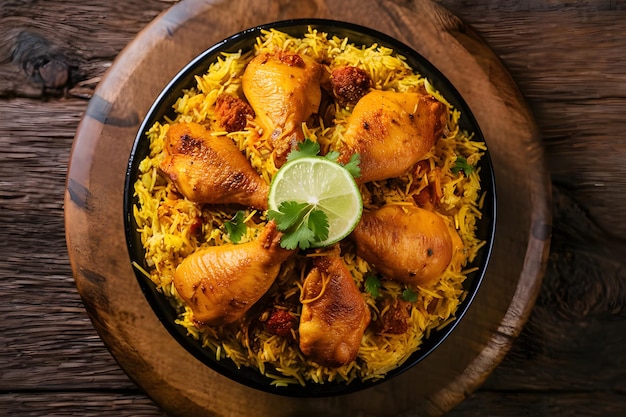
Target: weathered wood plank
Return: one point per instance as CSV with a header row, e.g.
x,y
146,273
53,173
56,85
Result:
x,y
562,404
90,404
95,404
63,47
586,148
575,337
576,90
47,340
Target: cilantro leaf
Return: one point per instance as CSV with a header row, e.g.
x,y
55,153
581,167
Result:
x,y
461,164
301,237
289,213
318,223
236,227
301,223
309,148
409,295
353,165
372,285
306,148
332,156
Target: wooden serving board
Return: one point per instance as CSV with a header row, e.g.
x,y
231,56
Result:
x,y
178,382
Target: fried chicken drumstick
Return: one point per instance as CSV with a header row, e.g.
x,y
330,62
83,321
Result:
x,y
392,132
210,169
221,283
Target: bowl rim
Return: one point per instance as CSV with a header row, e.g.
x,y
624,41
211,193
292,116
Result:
x,y
251,377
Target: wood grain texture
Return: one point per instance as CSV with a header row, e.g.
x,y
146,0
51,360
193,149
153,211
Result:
x,y
64,47
44,325
575,83
568,360
89,404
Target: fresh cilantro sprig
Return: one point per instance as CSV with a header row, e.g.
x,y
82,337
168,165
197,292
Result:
x,y
372,285
301,223
461,164
304,149
309,148
409,295
353,165
236,227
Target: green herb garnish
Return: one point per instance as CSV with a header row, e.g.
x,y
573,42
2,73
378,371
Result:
x,y
409,295
236,227
309,148
372,285
306,148
301,223
353,165
461,164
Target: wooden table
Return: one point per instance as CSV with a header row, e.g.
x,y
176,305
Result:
x,y
568,61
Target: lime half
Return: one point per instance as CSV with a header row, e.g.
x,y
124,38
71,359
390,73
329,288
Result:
x,y
323,184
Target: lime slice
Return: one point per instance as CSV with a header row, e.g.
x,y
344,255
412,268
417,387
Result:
x,y
324,184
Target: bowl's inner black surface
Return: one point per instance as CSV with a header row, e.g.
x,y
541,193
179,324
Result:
x,y
163,106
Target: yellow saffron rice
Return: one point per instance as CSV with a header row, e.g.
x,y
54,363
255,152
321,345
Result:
x,y
172,227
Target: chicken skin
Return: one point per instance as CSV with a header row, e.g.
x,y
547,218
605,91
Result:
x,y
211,170
221,283
406,243
392,131
334,314
284,92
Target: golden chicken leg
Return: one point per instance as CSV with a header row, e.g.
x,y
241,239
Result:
x,y
221,283
284,91
406,243
211,170
392,131
334,314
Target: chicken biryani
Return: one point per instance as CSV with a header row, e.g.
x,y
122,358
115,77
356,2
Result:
x,y
354,310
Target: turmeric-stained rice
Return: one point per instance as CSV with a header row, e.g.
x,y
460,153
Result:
x,y
171,227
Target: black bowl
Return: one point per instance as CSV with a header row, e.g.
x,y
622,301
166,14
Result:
x,y
163,107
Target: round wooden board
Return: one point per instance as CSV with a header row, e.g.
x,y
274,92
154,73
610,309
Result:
x,y
178,382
